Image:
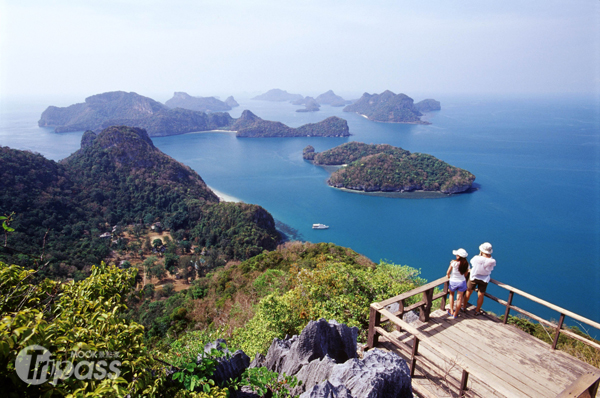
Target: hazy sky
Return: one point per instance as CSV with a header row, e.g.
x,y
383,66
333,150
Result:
x,y
221,47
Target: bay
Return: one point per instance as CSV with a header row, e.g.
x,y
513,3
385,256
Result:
x,y
537,163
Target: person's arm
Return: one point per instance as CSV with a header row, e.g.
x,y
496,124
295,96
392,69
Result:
x,y
449,270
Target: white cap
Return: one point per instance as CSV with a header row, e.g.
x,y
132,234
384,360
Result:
x,y
460,252
486,248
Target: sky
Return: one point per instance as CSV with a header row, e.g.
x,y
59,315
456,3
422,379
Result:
x,y
223,47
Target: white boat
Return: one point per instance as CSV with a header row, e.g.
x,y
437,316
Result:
x,y
320,226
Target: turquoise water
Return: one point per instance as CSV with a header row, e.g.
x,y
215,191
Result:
x,y
537,163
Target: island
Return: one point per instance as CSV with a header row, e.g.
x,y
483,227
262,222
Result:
x,y
251,126
278,95
130,109
330,98
385,168
310,105
428,105
387,107
201,104
231,102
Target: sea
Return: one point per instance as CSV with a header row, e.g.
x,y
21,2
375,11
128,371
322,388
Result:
x,y
536,162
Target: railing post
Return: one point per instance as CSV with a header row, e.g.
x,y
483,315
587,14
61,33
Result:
x,y
413,358
400,315
508,304
444,297
463,383
558,327
374,320
426,308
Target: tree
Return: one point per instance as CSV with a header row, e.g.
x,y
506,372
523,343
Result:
x,y
156,243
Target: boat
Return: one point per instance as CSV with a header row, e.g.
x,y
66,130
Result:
x,y
320,226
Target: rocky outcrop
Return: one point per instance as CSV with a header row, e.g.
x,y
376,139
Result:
x,y
378,374
230,366
324,358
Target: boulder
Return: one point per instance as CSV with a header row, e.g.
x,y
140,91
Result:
x,y
318,339
229,366
380,374
327,390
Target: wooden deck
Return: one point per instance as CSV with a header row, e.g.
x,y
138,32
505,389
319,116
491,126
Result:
x,y
515,364
480,356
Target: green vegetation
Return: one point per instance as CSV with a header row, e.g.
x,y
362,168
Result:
x,y
387,107
121,108
250,125
73,214
200,104
387,168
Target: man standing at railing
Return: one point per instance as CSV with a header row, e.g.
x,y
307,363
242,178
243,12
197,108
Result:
x,y
481,269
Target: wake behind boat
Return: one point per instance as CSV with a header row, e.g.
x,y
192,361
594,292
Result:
x,y
320,226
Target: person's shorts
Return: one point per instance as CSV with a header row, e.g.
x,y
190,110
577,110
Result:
x,y
460,286
481,285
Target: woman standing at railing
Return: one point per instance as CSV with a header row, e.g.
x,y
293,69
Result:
x,y
457,274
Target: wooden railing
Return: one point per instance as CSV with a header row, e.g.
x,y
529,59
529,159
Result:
x,y
392,310
559,328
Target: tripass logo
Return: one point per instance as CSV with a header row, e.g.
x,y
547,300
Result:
x,y
36,365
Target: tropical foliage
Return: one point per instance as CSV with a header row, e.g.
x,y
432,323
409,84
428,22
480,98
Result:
x,y
387,168
117,178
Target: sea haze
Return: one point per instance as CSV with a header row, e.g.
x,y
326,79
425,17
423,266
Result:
x,y
537,163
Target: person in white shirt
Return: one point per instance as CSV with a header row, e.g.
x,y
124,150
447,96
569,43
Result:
x,y
457,283
481,269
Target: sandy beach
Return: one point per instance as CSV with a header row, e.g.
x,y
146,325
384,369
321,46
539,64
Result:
x,y
223,197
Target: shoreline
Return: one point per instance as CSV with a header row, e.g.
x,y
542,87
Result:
x,y
418,194
212,131
223,197
379,121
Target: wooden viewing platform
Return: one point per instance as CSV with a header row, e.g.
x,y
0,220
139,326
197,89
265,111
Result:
x,y
479,356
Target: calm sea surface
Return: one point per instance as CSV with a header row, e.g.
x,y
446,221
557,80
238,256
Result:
x,y
537,163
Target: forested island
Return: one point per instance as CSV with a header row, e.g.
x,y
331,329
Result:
x,y
201,104
251,126
131,109
278,95
330,98
390,108
384,168
117,178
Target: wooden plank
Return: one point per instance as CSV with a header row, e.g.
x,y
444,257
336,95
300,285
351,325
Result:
x,y
496,361
433,368
581,385
464,362
555,367
431,380
547,304
414,292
